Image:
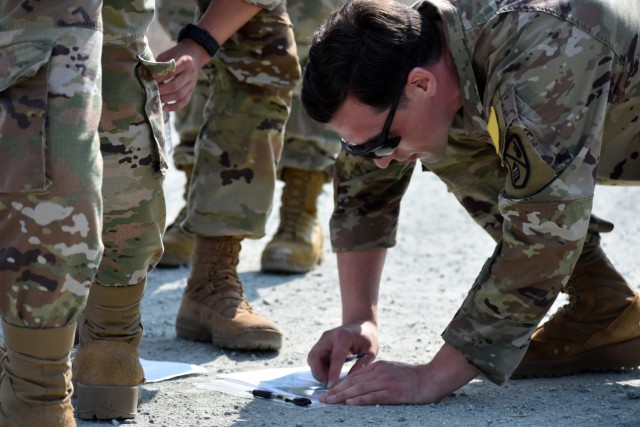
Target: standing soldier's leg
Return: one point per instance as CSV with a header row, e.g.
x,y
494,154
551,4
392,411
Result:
x,y
50,208
233,181
106,367
179,245
306,165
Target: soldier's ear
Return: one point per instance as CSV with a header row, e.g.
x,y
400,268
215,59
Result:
x,y
422,80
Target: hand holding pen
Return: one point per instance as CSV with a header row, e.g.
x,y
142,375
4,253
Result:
x,y
327,357
355,357
299,401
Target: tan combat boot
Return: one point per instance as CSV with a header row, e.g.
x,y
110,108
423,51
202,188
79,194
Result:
x,y
35,377
213,306
106,369
178,244
598,330
297,246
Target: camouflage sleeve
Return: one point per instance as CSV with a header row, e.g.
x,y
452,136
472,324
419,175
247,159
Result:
x,y
473,172
550,131
367,203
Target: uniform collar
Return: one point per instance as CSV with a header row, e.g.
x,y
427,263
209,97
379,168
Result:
x,y
473,110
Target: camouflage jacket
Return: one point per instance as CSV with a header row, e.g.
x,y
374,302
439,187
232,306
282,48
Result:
x,y
551,95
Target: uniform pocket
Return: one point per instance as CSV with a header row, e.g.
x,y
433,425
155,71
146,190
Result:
x,y
153,107
24,156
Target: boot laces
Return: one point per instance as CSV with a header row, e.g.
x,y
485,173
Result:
x,y
298,212
224,288
3,356
293,201
573,300
224,293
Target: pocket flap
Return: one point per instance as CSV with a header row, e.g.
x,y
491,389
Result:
x,y
21,61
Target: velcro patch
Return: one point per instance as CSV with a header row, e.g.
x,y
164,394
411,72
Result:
x,y
517,161
528,173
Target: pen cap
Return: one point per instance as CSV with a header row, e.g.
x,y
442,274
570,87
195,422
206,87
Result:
x,y
262,393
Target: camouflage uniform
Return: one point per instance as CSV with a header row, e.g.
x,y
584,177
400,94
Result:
x,y
551,94
133,146
232,185
50,204
54,166
172,16
82,165
307,144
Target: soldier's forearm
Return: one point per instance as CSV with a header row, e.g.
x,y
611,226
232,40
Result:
x,y
224,17
360,274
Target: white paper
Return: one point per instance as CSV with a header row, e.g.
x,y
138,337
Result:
x,y
155,370
290,382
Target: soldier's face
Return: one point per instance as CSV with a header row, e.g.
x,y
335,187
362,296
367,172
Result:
x,y
420,138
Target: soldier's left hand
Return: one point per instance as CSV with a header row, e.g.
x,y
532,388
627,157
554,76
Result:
x,y
384,382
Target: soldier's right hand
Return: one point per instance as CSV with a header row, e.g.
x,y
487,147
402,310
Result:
x,y
327,356
177,87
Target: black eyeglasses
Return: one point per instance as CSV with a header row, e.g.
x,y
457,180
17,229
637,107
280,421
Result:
x,y
380,145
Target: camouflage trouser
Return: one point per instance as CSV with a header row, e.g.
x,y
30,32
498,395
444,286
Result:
x,y
172,15
75,205
307,144
251,80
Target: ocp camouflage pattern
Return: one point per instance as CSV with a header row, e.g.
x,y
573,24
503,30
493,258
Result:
x,y
133,148
250,83
50,207
308,145
68,216
172,16
561,80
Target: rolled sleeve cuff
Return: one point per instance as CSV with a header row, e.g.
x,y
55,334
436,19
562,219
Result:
x,y
365,234
495,347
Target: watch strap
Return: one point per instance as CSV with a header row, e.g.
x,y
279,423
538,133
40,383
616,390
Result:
x,y
200,36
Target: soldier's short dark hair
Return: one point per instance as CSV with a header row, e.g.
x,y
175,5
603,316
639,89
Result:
x,y
366,49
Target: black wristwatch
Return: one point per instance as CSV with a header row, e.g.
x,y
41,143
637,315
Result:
x,y
200,36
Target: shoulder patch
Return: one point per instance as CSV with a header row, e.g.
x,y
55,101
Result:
x,y
516,159
528,172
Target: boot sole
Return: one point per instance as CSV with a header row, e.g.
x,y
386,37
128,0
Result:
x,y
251,340
282,265
615,357
106,402
276,267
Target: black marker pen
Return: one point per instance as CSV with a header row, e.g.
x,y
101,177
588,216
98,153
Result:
x,y
266,394
355,357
